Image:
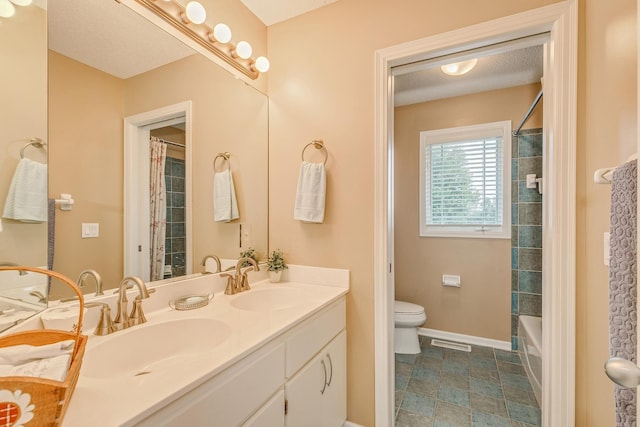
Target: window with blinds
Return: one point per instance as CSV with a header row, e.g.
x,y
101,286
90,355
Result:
x,y
464,181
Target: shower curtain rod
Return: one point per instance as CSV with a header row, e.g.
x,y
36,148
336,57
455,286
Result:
x,y
526,116
168,142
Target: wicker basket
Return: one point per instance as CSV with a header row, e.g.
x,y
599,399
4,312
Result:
x,y
47,400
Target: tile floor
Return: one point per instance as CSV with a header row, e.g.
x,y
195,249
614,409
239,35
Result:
x,y
452,388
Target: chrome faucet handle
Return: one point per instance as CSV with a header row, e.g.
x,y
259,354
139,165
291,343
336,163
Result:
x,y
105,324
96,277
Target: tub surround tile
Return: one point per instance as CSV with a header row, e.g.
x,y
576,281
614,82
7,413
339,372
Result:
x,y
530,236
528,194
529,214
530,145
530,282
529,165
530,304
530,259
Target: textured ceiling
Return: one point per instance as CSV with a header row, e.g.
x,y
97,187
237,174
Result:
x,y
507,69
110,37
274,11
99,33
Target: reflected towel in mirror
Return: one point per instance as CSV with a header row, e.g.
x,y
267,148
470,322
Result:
x,y
310,196
27,197
225,205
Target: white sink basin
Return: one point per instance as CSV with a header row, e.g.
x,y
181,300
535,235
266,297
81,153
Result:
x,y
269,299
150,348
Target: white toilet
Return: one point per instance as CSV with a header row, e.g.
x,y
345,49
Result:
x,y
407,318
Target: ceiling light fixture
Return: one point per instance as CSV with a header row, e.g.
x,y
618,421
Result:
x,y
7,8
459,68
189,20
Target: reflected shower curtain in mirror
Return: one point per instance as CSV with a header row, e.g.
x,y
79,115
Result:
x,y
158,207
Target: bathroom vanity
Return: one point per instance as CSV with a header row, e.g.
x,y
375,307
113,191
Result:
x,y
274,355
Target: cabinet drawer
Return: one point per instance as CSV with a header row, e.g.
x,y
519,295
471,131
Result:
x,y
229,398
270,415
310,337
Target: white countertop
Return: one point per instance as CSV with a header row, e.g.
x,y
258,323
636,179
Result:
x,y
123,400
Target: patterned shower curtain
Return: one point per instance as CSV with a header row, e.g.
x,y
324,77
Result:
x,y
158,208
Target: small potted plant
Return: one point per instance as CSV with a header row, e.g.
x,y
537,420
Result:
x,y
249,253
275,265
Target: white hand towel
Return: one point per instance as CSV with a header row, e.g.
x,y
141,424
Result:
x,y
27,197
225,205
53,368
311,193
20,354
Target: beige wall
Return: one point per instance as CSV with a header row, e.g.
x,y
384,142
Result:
x,y
86,107
482,305
606,136
23,115
322,85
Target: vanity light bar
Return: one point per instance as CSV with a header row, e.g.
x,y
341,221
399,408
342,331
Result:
x,y
176,15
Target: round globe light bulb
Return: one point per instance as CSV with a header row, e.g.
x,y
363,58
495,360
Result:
x,y
459,68
196,12
222,33
7,10
21,2
243,50
262,64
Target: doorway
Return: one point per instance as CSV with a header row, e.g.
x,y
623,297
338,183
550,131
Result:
x,y
559,20
138,131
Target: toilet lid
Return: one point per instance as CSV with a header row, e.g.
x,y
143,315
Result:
x,y
407,307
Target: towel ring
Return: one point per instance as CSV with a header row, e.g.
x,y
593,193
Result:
x,y
319,145
33,142
225,156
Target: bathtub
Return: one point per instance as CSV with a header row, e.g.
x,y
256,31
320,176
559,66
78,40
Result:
x,y
530,344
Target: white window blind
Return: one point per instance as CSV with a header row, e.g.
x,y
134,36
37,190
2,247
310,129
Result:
x,y
463,182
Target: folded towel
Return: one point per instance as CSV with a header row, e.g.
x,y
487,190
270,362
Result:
x,y
53,368
225,205
310,196
27,197
20,354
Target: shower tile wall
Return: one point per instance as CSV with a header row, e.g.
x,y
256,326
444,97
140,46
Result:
x,y
175,251
526,230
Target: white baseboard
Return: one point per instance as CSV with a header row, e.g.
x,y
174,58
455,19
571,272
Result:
x,y
350,424
466,339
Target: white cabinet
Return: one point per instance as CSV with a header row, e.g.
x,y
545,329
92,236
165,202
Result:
x,y
316,395
304,370
229,398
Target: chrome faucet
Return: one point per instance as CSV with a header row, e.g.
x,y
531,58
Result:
x,y
216,259
240,282
12,264
123,319
96,277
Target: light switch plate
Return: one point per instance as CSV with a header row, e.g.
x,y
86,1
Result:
x,y
90,229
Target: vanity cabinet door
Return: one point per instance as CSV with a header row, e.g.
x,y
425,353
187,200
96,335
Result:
x,y
316,395
335,396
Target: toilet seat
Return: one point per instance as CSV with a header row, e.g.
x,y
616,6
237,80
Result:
x,y
406,313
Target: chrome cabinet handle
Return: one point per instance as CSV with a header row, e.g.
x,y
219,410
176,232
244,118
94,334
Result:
x,y
324,383
622,372
331,366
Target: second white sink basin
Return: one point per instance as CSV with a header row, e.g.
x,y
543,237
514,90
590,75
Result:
x,y
269,299
150,348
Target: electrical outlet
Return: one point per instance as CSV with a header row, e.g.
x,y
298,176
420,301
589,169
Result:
x,y
245,235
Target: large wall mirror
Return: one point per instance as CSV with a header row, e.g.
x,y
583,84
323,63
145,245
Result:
x,y
23,118
105,64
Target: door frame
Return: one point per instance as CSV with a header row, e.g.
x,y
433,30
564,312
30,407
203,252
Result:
x,y
136,168
560,20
